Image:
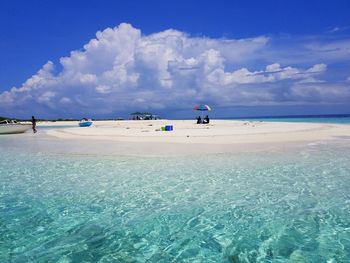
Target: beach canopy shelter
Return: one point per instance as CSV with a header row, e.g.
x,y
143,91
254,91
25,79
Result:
x,y
144,116
202,108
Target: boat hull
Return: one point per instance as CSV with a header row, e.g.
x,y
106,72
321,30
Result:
x,y
14,128
85,124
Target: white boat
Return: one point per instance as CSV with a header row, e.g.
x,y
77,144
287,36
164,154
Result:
x,y
12,126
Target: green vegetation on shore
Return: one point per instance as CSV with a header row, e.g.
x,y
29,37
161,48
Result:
x,y
3,118
7,118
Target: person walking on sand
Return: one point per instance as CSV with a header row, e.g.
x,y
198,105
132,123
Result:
x,y
34,124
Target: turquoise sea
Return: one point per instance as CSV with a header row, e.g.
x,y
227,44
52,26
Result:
x,y
272,206
336,119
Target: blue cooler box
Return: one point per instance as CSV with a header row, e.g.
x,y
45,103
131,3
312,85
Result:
x,y
169,127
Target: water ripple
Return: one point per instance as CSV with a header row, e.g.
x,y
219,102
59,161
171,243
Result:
x,y
222,208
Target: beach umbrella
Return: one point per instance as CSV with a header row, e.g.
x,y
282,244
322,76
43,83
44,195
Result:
x,y
202,108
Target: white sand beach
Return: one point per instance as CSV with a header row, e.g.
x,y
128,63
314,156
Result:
x,y
220,136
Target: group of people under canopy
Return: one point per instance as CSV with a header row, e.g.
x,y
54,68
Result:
x,y
204,121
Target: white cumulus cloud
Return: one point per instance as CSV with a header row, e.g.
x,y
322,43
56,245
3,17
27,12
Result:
x,y
122,69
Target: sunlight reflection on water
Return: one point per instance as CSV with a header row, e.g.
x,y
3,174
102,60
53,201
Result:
x,y
226,208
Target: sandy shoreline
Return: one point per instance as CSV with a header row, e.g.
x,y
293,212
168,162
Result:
x,y
220,136
188,132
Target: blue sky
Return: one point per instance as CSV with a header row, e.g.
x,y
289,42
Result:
x,y
242,57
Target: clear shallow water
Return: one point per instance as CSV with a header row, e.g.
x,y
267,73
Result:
x,y
45,127
335,120
220,208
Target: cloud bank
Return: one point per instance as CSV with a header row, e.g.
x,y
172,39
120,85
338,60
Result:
x,y
123,70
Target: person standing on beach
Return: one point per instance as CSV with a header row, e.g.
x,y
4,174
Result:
x,y
34,124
